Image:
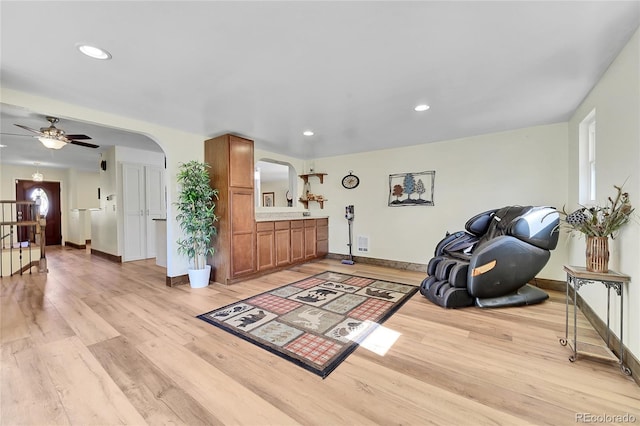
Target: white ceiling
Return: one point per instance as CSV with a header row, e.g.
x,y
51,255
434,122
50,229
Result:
x,y
350,71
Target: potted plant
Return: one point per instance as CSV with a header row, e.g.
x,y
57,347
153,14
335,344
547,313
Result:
x,y
597,224
196,218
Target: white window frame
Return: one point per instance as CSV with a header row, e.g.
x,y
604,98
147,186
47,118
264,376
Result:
x,y
587,159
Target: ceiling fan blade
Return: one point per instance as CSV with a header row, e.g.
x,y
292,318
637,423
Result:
x,y
28,128
17,134
77,137
85,144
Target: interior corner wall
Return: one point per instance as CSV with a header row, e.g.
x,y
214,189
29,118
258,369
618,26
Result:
x,y
616,99
82,189
472,175
104,221
87,185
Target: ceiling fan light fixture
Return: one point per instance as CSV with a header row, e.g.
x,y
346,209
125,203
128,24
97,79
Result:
x,y
93,51
52,143
37,176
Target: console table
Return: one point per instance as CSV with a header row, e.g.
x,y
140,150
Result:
x,y
579,276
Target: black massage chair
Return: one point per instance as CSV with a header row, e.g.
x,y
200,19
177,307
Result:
x,y
490,263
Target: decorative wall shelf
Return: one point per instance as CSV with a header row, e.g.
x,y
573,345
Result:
x,y
305,177
306,202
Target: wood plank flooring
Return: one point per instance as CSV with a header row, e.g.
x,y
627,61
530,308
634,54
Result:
x,y
99,343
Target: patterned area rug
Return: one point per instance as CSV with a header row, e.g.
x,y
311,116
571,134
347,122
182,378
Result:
x,y
316,322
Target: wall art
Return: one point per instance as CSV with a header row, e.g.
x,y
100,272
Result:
x,y
268,199
411,189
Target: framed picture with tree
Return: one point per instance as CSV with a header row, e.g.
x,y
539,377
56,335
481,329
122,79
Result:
x,y
411,189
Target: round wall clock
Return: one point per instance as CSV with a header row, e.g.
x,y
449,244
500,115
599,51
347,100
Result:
x,y
350,181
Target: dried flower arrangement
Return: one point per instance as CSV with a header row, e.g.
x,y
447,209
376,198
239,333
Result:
x,y
601,221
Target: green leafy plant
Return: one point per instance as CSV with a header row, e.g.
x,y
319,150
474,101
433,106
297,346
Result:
x,y
601,221
196,215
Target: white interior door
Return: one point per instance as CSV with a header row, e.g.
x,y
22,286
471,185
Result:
x,y
133,206
155,204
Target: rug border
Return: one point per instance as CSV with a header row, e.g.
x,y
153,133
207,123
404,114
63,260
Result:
x,y
324,372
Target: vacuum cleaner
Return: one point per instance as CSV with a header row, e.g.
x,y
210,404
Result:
x,y
349,216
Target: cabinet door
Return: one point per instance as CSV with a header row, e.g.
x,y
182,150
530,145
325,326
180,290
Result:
x,y
241,173
133,206
283,246
265,258
264,254
297,241
310,238
242,232
322,237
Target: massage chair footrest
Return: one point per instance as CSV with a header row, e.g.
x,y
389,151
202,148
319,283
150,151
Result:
x,y
526,295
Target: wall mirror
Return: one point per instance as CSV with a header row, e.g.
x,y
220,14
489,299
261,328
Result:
x,y
276,184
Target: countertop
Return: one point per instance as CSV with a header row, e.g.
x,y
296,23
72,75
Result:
x,y
270,217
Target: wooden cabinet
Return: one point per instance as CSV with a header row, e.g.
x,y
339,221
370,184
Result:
x,y
282,237
310,248
297,241
265,246
231,173
281,243
322,237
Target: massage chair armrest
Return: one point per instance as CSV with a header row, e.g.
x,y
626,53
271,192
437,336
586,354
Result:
x,y
502,265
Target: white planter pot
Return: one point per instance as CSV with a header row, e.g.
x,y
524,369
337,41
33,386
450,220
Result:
x,y
199,278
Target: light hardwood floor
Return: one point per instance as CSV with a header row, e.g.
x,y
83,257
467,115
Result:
x,y
99,343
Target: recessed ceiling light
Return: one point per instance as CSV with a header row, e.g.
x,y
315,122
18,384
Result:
x,y
422,107
307,133
93,51
2,146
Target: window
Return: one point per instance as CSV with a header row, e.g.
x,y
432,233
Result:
x,y
587,158
40,197
591,129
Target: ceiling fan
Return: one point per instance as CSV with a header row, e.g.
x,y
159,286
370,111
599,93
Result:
x,y
55,138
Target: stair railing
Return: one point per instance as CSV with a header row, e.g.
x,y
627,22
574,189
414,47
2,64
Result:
x,y
21,228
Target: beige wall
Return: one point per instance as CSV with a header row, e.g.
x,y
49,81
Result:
x,y
279,190
104,221
616,99
525,166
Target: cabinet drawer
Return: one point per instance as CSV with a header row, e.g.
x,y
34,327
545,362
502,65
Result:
x,y
322,233
323,222
264,226
309,223
282,224
295,224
